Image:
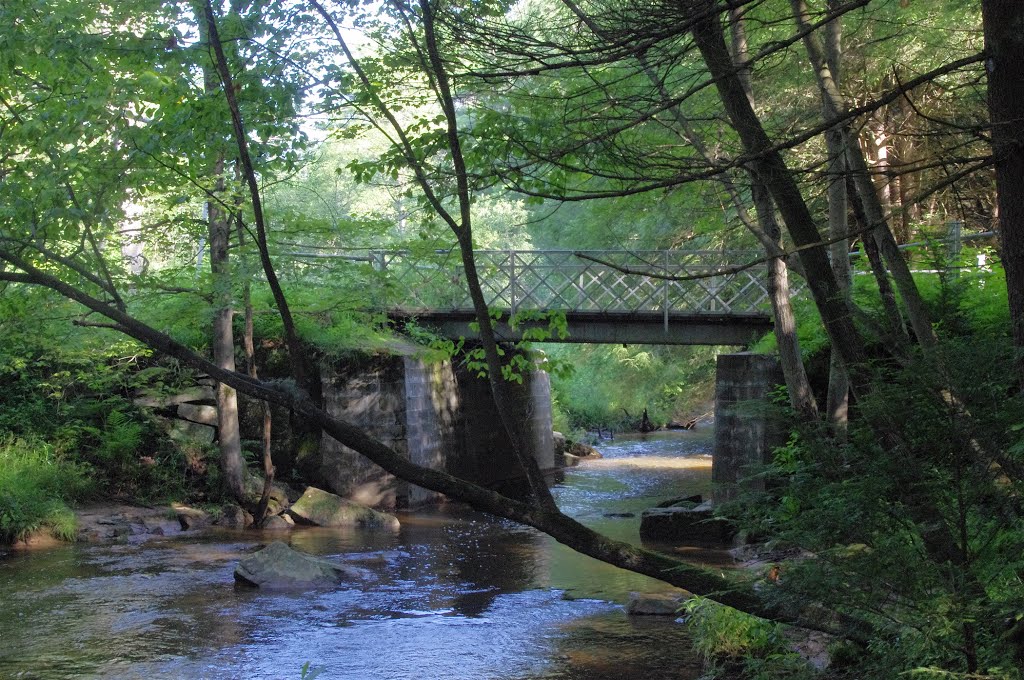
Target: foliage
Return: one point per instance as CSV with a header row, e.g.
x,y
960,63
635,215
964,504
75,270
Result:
x,y
723,631
725,637
70,390
36,484
610,386
846,505
117,136
973,301
310,672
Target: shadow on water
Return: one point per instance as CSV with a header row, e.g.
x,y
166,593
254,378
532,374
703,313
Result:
x,y
455,594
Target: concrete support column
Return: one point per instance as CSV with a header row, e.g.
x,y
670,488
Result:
x,y
744,434
487,458
433,420
410,405
435,415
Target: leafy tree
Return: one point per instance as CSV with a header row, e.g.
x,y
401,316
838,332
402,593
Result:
x,y
429,92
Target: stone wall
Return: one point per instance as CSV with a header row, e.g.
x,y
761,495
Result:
x,y
369,393
745,435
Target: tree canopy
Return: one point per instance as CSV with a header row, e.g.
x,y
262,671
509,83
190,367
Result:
x,y
141,138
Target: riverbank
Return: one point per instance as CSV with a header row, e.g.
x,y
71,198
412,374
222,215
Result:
x,y
111,522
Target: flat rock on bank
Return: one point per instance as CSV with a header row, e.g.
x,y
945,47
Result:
x,y
278,567
686,525
99,523
327,510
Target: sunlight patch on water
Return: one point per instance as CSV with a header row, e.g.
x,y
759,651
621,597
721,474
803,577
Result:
x,y
651,463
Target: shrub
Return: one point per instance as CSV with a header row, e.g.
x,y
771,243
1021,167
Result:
x,y
728,639
35,487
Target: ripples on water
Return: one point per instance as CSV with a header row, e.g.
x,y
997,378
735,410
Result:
x,y
455,595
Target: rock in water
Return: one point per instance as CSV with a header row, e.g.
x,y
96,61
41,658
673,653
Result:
x,y
327,510
655,604
581,450
276,523
278,567
234,517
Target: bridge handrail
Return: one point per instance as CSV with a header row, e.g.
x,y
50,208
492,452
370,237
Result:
x,y
603,280
518,280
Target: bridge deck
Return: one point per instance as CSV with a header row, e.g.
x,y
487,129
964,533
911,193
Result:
x,y
636,328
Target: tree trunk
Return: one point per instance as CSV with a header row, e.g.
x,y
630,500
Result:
x,y
801,397
228,436
877,219
1003,23
837,398
771,169
223,342
260,515
898,337
305,436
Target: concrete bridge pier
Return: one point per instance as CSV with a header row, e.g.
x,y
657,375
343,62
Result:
x,y
487,458
436,414
411,405
745,434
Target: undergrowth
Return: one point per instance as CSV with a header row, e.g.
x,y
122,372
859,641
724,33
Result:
x,y
36,484
731,641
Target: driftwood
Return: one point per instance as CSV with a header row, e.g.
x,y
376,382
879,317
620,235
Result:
x,y
645,423
689,424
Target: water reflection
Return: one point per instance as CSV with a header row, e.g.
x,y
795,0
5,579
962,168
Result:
x,y
454,595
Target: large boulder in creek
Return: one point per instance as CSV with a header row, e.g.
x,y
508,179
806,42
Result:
x,y
277,523
232,516
574,453
281,495
278,567
327,510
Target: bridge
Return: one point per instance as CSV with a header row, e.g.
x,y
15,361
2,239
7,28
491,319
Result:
x,y
673,297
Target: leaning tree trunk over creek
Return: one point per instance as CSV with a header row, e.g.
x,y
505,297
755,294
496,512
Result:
x,y
736,591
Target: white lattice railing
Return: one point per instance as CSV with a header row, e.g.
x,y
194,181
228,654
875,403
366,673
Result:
x,y
573,281
578,281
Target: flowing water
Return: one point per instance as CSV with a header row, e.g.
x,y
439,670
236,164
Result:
x,y
455,595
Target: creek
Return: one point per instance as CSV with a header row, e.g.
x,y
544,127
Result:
x,y
456,595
